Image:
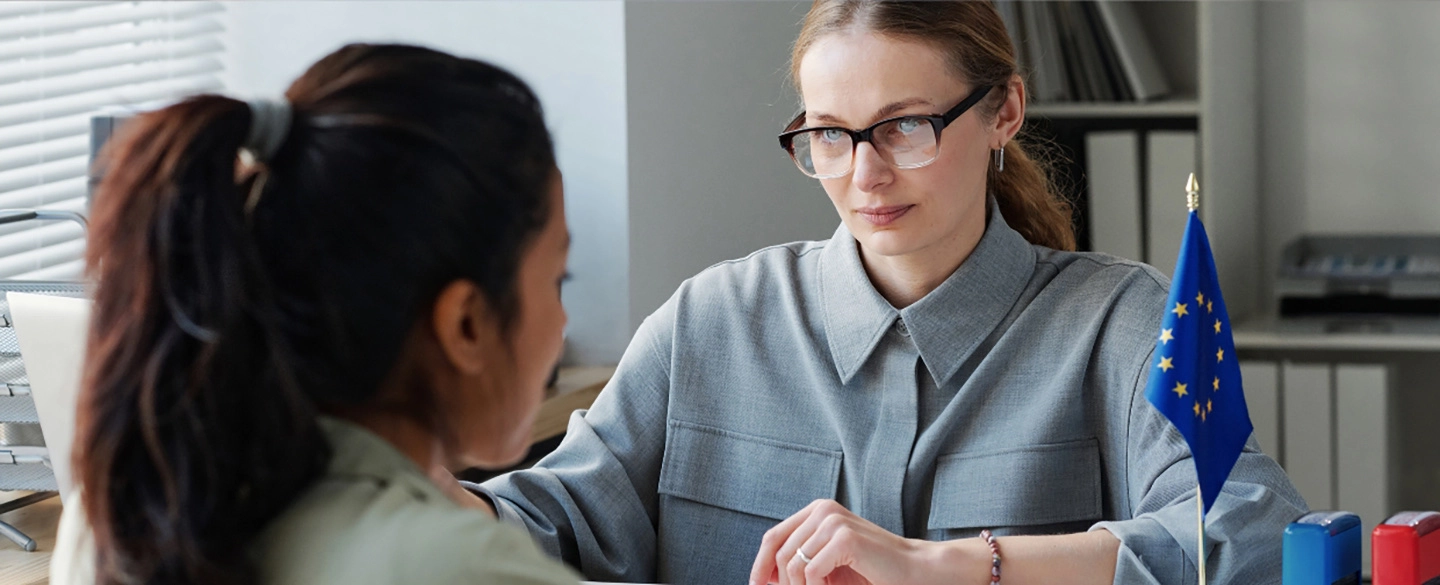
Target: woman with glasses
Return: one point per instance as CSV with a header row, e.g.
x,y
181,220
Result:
x,y
859,410
302,307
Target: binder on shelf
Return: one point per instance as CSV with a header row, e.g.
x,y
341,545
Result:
x,y
1309,442
1010,13
1079,80
1362,445
1042,46
1133,48
1109,60
1172,156
1112,171
1089,51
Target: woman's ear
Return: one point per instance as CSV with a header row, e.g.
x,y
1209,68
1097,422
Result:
x,y
1011,115
464,326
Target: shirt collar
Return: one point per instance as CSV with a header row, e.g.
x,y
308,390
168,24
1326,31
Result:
x,y
356,452
947,324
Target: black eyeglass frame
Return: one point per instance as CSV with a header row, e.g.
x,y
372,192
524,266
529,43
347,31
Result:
x,y
938,122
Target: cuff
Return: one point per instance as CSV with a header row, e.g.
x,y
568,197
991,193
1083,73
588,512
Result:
x,y
1150,552
502,512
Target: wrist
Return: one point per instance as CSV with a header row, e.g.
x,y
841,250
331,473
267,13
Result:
x,y
965,561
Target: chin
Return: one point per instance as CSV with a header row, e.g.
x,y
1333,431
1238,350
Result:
x,y
890,242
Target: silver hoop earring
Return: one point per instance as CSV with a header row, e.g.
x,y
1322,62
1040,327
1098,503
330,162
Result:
x,y
999,156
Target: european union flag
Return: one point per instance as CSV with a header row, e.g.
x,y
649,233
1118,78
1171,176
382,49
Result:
x,y
1195,380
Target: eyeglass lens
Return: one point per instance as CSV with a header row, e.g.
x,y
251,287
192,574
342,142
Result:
x,y
903,142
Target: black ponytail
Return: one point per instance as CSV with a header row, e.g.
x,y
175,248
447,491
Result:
x,y
233,302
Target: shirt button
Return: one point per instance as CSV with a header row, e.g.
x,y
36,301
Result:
x,y
900,327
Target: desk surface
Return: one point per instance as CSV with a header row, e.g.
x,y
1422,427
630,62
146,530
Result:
x,y
575,389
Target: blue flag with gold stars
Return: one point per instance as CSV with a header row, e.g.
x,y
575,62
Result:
x,y
1195,380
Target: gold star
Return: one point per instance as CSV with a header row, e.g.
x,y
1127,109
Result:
x,y
1220,355
1197,409
1217,325
1179,390
1209,306
1179,310
1217,384
1200,298
1202,414
1165,364
1209,406
1165,335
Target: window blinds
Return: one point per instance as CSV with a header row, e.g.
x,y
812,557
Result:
x,y
62,62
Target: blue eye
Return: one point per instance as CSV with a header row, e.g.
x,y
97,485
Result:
x,y
832,135
908,125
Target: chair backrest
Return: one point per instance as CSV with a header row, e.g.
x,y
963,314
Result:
x,y
51,331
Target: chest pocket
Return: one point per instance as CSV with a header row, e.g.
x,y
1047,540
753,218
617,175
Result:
x,y
749,474
1036,489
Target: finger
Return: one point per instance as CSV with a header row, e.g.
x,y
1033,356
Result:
x,y
833,546
788,556
764,569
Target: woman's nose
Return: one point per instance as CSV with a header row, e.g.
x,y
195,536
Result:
x,y
871,169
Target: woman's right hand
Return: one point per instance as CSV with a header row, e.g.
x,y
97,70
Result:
x,y
845,549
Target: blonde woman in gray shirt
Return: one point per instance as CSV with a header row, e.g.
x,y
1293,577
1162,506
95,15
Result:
x,y
858,410
283,346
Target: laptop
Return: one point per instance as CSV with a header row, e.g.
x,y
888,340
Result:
x,y
52,333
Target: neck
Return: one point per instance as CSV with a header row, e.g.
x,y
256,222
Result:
x,y
408,436
907,278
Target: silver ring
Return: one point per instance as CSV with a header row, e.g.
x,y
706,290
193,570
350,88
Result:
x,y
803,558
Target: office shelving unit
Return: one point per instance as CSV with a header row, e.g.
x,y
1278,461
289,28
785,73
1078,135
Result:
x,y
1208,51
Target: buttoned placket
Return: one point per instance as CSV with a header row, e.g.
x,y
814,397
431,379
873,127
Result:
x,y
888,454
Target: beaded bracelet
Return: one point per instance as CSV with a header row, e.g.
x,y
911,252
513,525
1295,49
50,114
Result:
x,y
994,555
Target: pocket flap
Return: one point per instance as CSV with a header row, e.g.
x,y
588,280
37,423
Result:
x,y
744,473
1041,484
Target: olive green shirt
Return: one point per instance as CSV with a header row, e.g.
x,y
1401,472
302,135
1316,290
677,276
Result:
x,y
374,517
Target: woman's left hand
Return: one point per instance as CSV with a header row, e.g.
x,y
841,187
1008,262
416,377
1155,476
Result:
x,y
843,549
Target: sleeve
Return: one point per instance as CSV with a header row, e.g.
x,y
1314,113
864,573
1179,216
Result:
x,y
1243,530
592,503
467,547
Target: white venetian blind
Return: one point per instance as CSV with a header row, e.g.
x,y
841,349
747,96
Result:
x,y
62,62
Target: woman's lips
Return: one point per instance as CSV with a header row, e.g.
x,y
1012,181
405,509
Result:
x,y
883,216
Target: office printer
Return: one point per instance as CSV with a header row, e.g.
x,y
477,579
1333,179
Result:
x,y
1361,283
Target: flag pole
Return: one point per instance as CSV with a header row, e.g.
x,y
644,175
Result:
x,y
1192,201
1200,521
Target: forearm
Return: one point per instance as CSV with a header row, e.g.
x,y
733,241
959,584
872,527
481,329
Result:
x,y
1072,559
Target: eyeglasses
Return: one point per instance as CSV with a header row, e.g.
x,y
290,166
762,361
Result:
x,y
906,142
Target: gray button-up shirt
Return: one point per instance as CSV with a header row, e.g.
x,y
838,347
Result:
x,y
1010,398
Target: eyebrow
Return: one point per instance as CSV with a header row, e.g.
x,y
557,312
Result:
x,y
882,113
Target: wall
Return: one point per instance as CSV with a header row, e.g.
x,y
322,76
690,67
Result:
x,y
707,92
572,54
1349,120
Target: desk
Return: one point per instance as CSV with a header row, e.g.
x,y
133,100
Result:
x,y
575,389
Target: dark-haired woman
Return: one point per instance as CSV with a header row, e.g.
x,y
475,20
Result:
x,y
281,347
860,409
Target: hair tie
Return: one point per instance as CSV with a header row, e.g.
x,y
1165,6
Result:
x,y
269,125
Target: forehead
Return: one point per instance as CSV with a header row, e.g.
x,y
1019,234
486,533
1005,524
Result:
x,y
853,74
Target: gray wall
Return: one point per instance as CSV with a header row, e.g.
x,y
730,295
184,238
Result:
x,y
707,91
1349,119
571,53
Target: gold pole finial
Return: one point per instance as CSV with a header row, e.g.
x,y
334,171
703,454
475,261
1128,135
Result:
x,y
1192,193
